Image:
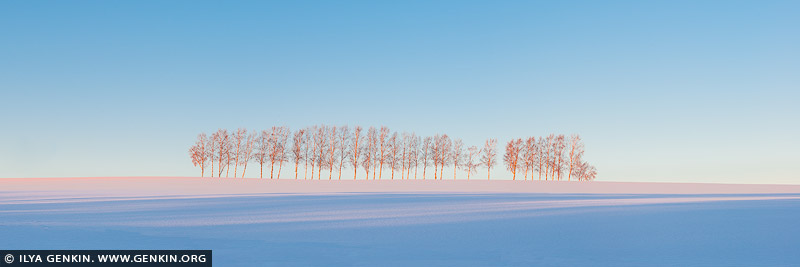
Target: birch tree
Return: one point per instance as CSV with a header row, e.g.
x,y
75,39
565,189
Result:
x,y
404,140
333,139
355,149
262,151
212,151
523,164
238,143
489,156
228,154
344,146
541,157
549,156
223,148
273,149
512,155
529,156
283,140
472,157
436,155
382,139
307,157
426,155
414,153
558,155
444,154
247,153
369,155
584,172
590,172
321,145
298,147
199,154
575,153
393,148
313,134
457,155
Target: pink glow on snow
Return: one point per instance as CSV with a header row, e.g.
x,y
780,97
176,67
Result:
x,y
123,195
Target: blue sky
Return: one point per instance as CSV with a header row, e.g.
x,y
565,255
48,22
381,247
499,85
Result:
x,y
677,91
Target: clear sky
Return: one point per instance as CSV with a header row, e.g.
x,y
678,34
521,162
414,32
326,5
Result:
x,y
677,91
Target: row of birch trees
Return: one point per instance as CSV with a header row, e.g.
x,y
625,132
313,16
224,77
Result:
x,y
553,157
334,149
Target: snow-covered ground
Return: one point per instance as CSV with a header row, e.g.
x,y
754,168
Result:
x,y
255,222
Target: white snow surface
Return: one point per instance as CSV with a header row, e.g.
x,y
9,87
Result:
x,y
287,222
